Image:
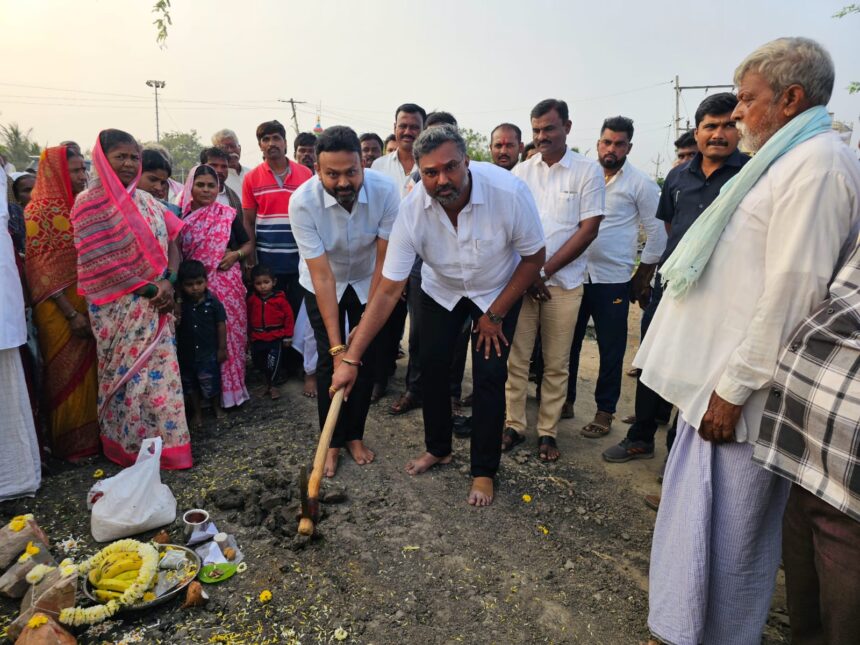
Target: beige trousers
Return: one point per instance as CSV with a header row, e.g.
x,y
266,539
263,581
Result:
x,y
556,320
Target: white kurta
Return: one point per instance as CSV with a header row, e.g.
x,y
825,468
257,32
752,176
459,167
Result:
x,y
20,467
771,266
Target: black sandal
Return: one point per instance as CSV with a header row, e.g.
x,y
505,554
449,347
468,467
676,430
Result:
x,y
511,439
544,444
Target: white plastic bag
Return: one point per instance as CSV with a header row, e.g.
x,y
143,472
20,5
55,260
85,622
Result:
x,y
134,500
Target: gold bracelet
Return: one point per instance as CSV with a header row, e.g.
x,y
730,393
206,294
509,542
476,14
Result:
x,y
337,349
349,361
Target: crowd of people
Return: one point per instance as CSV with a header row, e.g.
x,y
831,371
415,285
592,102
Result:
x,y
145,299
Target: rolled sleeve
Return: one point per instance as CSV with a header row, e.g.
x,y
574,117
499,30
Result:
x,y
527,238
304,229
390,208
400,255
646,204
593,194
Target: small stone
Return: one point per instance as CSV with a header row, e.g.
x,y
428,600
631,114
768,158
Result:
x,y
268,501
332,493
580,510
399,615
569,565
625,536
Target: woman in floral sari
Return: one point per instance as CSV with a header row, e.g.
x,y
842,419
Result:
x,y
216,236
65,340
124,240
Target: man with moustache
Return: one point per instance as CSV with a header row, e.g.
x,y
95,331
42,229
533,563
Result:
x,y
409,121
341,222
462,218
227,141
751,268
688,190
631,202
569,191
506,145
304,149
266,193
219,159
371,148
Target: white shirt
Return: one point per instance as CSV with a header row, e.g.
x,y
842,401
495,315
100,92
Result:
x,y
631,199
771,266
390,165
13,325
566,193
322,226
476,260
222,197
234,180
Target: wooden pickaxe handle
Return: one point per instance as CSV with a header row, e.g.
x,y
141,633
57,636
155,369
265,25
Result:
x,y
322,449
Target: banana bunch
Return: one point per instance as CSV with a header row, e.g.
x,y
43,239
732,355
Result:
x,y
115,575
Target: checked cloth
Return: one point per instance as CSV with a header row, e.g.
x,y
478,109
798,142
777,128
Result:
x,y
810,431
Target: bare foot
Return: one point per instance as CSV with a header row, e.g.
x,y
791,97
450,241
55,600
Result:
x,y
481,493
196,422
360,453
219,411
275,393
310,389
331,458
424,462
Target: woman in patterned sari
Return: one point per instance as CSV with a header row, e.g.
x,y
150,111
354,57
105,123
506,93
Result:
x,y
216,236
65,340
125,242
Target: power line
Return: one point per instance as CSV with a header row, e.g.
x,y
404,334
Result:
x,y
293,104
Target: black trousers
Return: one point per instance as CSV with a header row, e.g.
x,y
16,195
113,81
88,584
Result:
x,y
388,344
353,414
649,405
609,305
440,330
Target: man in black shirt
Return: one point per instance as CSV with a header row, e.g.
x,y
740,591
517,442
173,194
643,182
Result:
x,y
688,190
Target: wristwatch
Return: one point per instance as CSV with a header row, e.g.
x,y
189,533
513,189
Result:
x,y
542,274
496,319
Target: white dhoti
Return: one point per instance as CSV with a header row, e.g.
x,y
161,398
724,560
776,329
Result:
x,y
20,466
716,545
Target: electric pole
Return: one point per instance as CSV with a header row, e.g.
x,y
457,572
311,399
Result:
x,y
657,163
293,104
678,89
156,85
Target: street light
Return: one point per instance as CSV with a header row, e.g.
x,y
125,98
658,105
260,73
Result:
x,y
156,85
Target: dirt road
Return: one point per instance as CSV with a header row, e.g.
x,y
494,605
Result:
x,y
401,559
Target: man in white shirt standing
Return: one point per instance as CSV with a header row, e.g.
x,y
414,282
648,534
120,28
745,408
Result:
x,y
631,200
341,222
750,268
569,192
20,465
409,121
228,142
478,230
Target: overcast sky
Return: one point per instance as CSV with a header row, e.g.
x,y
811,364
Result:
x,y
74,68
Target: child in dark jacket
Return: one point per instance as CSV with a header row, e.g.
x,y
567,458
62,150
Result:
x,y
270,325
201,340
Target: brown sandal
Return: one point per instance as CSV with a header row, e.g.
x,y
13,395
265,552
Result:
x,y
511,439
404,404
599,427
546,443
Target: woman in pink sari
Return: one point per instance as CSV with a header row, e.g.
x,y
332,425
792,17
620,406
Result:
x,y
215,235
124,243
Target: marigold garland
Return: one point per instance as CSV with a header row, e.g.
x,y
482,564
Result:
x,y
76,616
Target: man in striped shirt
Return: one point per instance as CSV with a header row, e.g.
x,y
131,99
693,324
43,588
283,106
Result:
x,y
266,192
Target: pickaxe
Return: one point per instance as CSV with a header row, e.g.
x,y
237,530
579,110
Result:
x,y
310,488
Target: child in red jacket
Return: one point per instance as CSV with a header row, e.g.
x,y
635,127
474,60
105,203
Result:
x,y
270,325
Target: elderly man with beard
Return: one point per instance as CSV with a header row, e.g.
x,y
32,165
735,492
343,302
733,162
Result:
x,y
751,268
228,141
341,223
462,218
